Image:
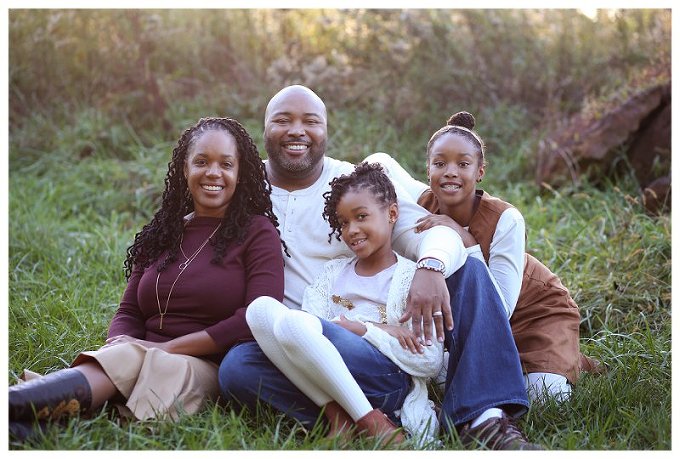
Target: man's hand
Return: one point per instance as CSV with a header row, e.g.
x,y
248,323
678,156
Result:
x,y
428,298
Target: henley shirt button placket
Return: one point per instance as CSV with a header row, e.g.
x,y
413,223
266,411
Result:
x,y
292,211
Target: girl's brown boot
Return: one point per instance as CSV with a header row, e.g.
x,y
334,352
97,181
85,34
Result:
x,y
341,425
377,424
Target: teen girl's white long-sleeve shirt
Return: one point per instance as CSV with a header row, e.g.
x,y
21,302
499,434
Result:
x,y
305,232
506,257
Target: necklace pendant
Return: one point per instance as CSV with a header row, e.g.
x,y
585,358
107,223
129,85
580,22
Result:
x,y
160,325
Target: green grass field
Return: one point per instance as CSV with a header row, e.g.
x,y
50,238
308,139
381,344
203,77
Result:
x,y
75,207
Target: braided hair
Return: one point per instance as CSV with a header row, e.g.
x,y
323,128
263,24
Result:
x,y
366,176
251,197
461,124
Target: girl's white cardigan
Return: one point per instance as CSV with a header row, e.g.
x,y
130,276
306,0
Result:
x,y
417,413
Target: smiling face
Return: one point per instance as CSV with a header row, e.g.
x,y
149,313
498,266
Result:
x,y
211,170
366,226
295,135
453,167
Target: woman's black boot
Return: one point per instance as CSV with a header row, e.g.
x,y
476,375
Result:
x,y
56,394
20,431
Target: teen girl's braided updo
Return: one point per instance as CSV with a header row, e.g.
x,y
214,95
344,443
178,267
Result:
x,y
368,176
251,197
461,124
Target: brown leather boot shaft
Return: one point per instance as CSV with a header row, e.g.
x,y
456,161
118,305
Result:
x,y
376,424
340,423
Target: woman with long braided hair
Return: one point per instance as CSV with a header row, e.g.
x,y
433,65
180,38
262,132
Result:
x,y
211,248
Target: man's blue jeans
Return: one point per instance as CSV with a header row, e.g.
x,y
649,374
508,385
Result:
x,y
484,368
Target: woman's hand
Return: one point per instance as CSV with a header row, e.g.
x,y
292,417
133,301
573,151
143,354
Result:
x,y
429,221
406,337
119,339
356,327
122,339
196,344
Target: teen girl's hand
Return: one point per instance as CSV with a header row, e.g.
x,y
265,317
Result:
x,y
406,337
429,221
356,327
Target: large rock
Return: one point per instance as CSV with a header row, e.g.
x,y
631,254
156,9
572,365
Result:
x,y
590,146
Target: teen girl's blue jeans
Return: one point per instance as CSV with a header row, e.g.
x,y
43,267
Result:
x,y
483,370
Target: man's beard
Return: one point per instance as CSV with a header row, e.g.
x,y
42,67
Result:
x,y
296,167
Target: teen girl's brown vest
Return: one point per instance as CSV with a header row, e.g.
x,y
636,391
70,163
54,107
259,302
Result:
x,y
545,323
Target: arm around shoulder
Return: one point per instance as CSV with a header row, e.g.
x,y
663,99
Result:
x,y
398,174
440,242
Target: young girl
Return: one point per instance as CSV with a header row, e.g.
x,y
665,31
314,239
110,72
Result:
x,y
362,297
543,316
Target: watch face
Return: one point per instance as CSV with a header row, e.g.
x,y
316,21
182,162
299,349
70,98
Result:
x,y
432,264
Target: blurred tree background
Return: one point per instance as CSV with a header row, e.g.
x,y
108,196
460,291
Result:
x,y
399,72
98,98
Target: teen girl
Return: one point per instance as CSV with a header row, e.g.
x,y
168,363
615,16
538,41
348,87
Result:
x,y
361,298
543,316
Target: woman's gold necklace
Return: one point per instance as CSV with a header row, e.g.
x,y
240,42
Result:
x,y
182,266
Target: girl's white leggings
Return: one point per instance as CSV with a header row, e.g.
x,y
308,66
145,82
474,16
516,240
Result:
x,y
294,342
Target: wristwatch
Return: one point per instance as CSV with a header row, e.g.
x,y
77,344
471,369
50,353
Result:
x,y
432,264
